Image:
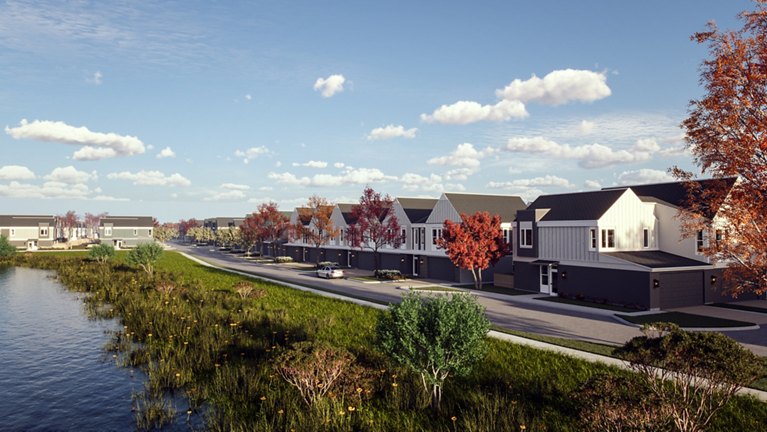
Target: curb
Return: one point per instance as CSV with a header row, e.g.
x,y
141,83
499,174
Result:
x,y
707,329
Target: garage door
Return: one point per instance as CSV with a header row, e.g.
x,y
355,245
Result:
x,y
679,289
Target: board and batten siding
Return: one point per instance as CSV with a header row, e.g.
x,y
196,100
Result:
x,y
629,216
443,210
565,244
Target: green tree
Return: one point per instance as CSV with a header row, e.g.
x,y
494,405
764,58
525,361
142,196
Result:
x,y
6,248
102,252
436,337
693,374
145,256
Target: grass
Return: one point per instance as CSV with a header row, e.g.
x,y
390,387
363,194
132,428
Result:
x,y
494,289
208,350
586,304
590,347
740,307
435,288
684,320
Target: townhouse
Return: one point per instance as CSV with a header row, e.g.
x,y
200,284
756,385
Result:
x,y
126,231
217,223
421,221
620,245
28,232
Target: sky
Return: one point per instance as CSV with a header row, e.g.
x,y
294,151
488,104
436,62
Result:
x,y
181,109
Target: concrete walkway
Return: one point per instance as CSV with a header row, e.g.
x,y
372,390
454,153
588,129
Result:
x,y
494,334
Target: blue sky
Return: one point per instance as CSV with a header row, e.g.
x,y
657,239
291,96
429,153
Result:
x,y
200,109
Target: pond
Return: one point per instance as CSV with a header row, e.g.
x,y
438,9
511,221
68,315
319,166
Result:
x,y
54,372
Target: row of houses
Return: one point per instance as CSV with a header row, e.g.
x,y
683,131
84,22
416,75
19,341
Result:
x,y
620,245
32,232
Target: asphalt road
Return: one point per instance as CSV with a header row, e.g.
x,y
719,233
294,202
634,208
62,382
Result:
x,y
511,312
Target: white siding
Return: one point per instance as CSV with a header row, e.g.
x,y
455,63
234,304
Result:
x,y
565,243
443,210
629,216
670,236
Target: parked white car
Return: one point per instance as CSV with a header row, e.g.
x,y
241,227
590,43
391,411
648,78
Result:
x,y
329,272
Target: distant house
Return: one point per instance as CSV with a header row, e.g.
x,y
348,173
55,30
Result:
x,y
126,231
28,232
217,223
617,245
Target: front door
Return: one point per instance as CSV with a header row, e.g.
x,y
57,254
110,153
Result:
x,y
545,277
416,265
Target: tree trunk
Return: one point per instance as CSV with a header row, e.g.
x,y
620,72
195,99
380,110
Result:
x,y
376,260
436,397
479,282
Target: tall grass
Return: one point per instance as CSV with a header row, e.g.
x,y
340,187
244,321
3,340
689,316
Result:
x,y
207,350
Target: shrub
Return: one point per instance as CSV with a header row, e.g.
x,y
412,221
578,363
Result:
x,y
6,248
246,289
102,252
313,368
145,256
435,337
610,402
388,274
283,259
322,264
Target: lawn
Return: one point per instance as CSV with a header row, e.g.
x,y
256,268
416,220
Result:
x,y
435,288
684,320
586,304
495,289
740,307
207,348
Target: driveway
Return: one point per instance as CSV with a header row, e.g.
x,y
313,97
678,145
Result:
x,y
511,312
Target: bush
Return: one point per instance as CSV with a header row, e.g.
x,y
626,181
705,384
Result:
x,y
313,368
6,248
102,252
388,274
283,259
145,256
322,264
620,403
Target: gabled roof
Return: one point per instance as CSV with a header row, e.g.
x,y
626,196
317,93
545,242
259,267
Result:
x,y
656,259
417,209
576,206
127,221
675,193
346,212
505,206
25,220
304,216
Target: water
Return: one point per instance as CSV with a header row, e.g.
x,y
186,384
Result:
x,y
54,373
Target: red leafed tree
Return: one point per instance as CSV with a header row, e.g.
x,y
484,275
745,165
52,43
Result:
x,y
375,224
727,136
474,244
321,229
67,223
266,224
185,225
92,222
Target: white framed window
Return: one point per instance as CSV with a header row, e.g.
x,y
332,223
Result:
x,y
526,237
592,239
403,236
135,232
646,237
13,232
544,275
436,233
107,231
150,232
700,241
608,238
718,237
43,232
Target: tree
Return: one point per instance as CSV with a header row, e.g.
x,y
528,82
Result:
x,y
185,225
726,132
266,224
474,244
165,232
313,368
375,224
201,234
693,374
321,229
67,223
6,248
435,337
145,256
92,222
102,252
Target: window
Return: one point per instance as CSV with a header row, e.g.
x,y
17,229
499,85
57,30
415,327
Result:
x,y
544,275
645,237
592,239
608,238
108,231
526,237
403,237
43,232
436,233
135,233
150,233
13,232
700,241
718,237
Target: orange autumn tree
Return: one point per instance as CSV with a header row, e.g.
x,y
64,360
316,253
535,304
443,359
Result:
x,y
474,244
727,136
320,229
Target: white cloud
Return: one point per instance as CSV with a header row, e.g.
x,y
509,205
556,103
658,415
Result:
x,y
70,175
265,188
311,164
16,172
586,127
166,153
248,97
588,155
644,176
339,165
50,190
592,184
350,176
537,182
558,87
233,186
330,85
95,145
465,112
96,78
151,178
289,179
459,174
413,182
464,155
392,131
229,195
251,153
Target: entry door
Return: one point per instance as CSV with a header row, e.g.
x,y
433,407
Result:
x,y
545,278
416,265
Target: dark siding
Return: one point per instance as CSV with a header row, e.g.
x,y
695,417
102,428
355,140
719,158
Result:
x,y
391,261
717,293
440,268
364,260
526,216
527,276
620,287
679,289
